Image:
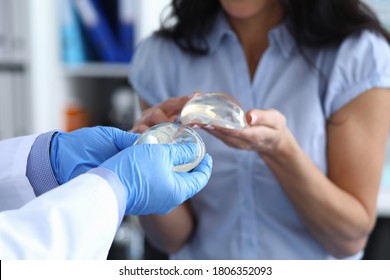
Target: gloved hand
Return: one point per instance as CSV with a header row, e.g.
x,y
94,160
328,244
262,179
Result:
x,y
74,153
150,184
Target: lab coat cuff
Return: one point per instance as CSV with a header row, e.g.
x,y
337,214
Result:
x,y
117,187
39,171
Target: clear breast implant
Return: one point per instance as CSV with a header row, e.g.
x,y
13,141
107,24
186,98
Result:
x,y
174,133
217,109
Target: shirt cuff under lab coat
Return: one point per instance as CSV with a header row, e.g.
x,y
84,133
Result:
x,y
39,171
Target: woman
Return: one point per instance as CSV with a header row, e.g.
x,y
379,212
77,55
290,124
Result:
x,y
301,181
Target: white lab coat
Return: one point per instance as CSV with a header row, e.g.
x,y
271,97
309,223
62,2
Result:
x,y
77,220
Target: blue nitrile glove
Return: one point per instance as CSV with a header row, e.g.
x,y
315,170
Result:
x,y
150,184
74,153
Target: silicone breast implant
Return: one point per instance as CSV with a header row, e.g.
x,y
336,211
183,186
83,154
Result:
x,y
174,133
217,109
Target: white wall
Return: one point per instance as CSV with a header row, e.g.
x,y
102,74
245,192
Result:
x,y
47,82
149,16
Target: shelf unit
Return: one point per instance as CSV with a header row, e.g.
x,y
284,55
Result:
x,y
97,70
92,84
14,70
49,84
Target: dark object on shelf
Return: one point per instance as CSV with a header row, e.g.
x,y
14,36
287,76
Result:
x,y
124,109
378,246
151,253
101,21
118,252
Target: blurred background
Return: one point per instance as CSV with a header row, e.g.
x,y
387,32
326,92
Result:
x,y
64,65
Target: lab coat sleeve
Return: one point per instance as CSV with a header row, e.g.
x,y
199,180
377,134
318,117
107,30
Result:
x,y
15,188
77,220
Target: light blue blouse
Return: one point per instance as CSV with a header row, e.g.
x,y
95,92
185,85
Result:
x,y
243,212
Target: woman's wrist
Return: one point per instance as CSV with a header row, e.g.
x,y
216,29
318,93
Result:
x,y
282,152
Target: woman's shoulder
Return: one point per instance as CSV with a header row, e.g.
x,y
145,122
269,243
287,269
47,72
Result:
x,y
360,62
153,55
362,53
367,44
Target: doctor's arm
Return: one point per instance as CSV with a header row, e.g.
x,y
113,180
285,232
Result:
x,y
33,165
78,220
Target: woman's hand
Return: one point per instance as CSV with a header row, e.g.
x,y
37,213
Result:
x,y
166,111
267,132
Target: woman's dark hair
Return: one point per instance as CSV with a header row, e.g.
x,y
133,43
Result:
x,y
313,23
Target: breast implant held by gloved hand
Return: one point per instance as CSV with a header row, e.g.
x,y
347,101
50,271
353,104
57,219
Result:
x,y
174,133
217,109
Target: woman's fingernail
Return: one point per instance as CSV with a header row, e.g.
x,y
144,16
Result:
x,y
209,127
253,119
195,93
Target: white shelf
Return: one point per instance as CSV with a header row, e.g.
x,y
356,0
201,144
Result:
x,y
12,62
97,70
